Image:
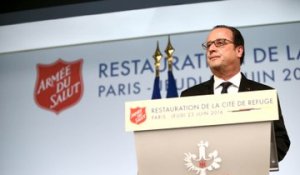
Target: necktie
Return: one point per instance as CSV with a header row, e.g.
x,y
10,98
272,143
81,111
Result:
x,y
225,86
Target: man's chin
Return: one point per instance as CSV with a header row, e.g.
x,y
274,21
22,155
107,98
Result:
x,y
214,65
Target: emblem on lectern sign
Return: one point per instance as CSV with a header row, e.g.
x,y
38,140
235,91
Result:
x,y
204,161
138,115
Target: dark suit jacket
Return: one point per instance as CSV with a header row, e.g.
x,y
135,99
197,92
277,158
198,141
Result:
x,y
282,138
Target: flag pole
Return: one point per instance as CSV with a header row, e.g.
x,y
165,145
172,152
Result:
x,y
156,88
169,51
172,88
157,57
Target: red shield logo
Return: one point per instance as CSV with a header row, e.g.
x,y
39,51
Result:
x,y
137,115
59,85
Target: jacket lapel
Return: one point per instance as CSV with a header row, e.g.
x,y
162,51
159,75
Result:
x,y
209,86
244,85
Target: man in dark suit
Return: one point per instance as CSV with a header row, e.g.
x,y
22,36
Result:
x,y
225,54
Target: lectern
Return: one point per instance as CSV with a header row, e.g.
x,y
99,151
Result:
x,y
228,134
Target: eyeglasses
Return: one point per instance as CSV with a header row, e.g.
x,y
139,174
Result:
x,y
218,43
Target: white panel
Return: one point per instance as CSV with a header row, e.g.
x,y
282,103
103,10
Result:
x,y
89,138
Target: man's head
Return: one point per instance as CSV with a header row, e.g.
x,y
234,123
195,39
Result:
x,y
224,50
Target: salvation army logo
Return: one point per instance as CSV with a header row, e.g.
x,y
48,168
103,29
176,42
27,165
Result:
x,y
59,85
137,115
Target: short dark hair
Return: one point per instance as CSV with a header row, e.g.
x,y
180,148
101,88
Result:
x,y
237,38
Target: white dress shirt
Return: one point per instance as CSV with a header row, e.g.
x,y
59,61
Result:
x,y
234,88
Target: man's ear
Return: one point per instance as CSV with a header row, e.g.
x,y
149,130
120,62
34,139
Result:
x,y
240,50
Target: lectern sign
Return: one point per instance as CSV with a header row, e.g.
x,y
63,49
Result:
x,y
201,110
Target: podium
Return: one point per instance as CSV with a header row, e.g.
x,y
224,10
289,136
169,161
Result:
x,y
228,134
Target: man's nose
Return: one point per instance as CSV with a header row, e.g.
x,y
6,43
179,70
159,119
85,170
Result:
x,y
211,48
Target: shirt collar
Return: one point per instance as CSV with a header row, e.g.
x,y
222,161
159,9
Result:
x,y
235,80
